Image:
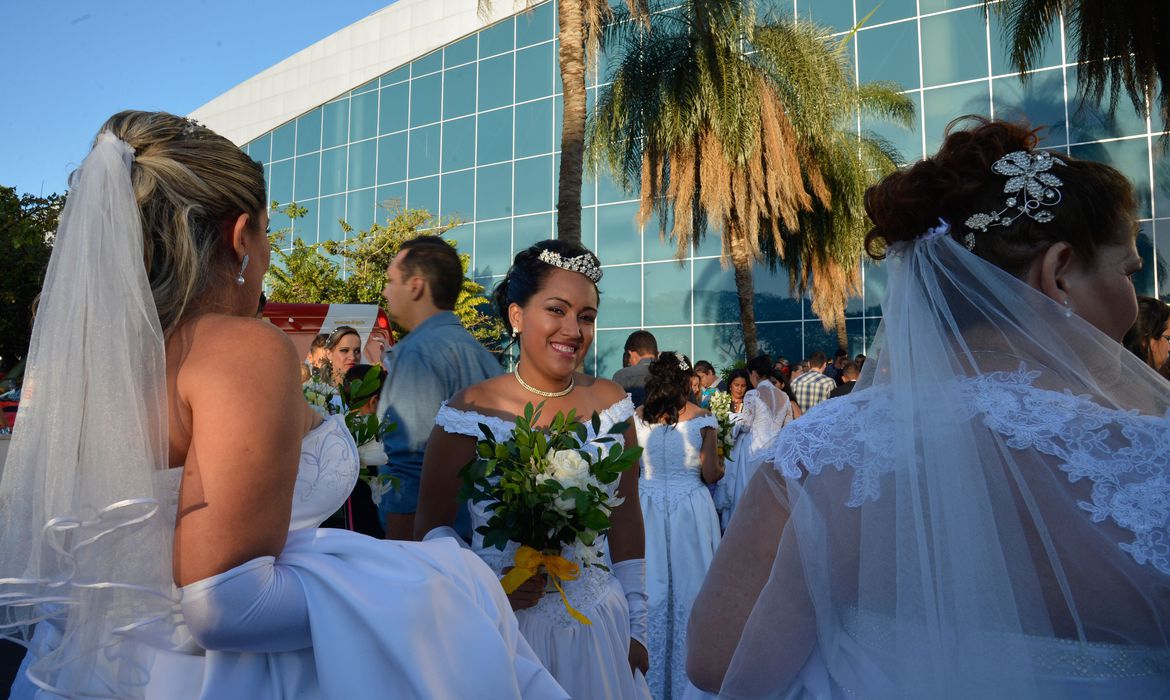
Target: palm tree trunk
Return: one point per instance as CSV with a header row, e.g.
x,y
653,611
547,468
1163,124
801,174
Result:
x,y
842,334
741,262
571,19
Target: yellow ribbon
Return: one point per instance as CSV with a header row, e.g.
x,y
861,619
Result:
x,y
529,561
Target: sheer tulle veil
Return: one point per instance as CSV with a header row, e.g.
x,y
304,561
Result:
x,y
84,544
986,515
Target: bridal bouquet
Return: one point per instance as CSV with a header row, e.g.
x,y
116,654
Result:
x,y
720,406
547,491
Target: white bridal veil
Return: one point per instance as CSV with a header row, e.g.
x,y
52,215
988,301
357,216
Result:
x,y
83,544
986,515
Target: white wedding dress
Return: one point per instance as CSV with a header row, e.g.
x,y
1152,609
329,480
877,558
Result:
x,y
766,410
682,532
591,662
387,619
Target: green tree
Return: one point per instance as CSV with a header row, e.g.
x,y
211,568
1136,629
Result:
x,y
308,273
28,225
1120,45
580,24
753,128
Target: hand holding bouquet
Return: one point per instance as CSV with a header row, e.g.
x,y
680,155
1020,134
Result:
x,y
548,491
721,408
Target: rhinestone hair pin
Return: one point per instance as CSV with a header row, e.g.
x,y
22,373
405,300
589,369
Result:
x,y
582,263
1029,187
682,362
190,126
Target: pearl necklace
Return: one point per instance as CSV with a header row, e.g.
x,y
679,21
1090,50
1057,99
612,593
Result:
x,y
546,394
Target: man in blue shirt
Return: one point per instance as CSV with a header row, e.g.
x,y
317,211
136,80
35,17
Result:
x,y
437,359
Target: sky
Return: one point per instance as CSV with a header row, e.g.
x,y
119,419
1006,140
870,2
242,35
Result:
x,y
70,64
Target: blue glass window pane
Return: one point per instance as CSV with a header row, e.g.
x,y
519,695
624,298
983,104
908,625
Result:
x,y
677,339
834,14
534,178
908,140
609,346
498,38
424,151
392,158
335,130
260,149
1089,122
493,191
309,132
280,182
527,230
423,194
462,51
393,111
333,171
780,340
1131,157
280,225
493,247
362,160
284,141
772,300
363,116
308,177
495,136
332,212
1001,51
425,98
885,10
459,91
621,297
588,227
610,190
458,196
954,47
617,234
875,287
941,106
495,82
889,53
267,180
359,212
535,67
716,300
459,144
1040,101
390,199
656,241
1144,282
720,345
398,75
427,64
305,227
364,87
536,25
667,294
1162,192
816,337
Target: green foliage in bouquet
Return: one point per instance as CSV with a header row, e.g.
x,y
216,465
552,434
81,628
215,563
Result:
x,y
546,489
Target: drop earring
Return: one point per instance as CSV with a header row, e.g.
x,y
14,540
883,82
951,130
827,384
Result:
x,y
1068,312
243,266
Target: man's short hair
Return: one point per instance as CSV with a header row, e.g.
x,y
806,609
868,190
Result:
x,y
817,359
703,367
642,342
435,260
850,369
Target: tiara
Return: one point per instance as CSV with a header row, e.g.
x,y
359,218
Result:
x,y
583,263
1029,187
190,126
682,362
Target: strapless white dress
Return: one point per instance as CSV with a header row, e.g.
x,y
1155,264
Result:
x,y
591,662
387,618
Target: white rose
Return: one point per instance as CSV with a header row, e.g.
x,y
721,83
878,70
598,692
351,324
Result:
x,y
569,468
371,454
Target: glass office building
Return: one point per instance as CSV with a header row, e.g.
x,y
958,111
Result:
x,y
472,130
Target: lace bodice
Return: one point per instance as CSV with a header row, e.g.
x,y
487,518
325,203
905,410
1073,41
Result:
x,y
1124,455
670,458
326,474
588,589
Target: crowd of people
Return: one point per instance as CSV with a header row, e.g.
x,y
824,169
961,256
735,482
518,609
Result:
x,y
977,510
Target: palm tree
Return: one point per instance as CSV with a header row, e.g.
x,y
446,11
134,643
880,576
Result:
x,y
580,23
754,128
1119,45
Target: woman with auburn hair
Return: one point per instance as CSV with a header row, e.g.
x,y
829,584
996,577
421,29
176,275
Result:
x,y
160,526
984,516
1149,338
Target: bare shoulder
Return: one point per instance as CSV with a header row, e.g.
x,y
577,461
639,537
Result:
x,y
236,349
605,391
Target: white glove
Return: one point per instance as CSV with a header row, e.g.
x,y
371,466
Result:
x,y
258,606
631,573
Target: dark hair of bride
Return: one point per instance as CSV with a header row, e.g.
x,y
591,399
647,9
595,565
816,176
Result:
x,y
668,387
528,274
1097,205
1153,314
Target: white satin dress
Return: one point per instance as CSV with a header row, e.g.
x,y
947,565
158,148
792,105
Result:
x,y
387,619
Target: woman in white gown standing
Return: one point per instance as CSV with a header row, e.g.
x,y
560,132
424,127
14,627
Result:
x,y
548,302
985,514
682,528
165,441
